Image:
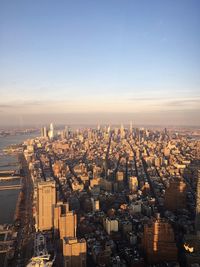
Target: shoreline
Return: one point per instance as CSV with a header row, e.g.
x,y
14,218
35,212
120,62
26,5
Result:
x,y
20,195
12,179
17,207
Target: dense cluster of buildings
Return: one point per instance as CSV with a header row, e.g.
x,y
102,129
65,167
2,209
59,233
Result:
x,y
115,197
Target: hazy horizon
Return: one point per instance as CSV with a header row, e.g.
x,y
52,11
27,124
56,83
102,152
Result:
x,y
160,119
100,61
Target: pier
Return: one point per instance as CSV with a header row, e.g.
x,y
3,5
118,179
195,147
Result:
x,y
7,172
8,178
8,175
10,187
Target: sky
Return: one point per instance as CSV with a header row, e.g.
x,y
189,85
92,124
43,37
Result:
x,y
100,61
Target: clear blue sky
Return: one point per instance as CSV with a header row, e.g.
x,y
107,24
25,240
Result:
x,y
100,56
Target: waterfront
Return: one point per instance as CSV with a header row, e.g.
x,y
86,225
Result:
x,y
6,141
8,198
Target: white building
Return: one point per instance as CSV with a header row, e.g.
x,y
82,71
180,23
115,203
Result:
x,y
111,225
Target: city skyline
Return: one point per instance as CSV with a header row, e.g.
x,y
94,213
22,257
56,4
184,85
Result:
x,y
90,62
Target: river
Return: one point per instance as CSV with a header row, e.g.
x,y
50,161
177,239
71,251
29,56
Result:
x,y
8,198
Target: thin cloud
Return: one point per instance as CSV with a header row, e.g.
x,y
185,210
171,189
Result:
x,y
33,103
34,106
143,99
11,106
171,101
183,102
5,106
22,104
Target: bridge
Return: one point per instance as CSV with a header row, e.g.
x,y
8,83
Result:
x,y
9,177
9,187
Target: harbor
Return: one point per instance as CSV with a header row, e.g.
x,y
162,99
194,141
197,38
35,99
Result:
x,y
11,196
9,192
9,180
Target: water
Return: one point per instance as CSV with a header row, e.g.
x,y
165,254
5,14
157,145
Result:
x,y
7,141
8,198
10,182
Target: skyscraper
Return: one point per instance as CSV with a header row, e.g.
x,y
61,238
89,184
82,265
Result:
x,y
159,241
66,132
44,132
74,252
122,131
59,208
51,131
51,127
175,195
197,220
131,127
64,220
46,192
67,224
133,184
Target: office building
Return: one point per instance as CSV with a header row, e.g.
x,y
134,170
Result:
x,y
111,225
95,204
175,195
197,219
59,208
158,241
65,221
46,193
51,131
122,131
74,252
131,127
133,184
67,224
44,132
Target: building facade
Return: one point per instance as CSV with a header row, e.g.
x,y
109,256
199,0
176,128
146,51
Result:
x,y
158,241
67,224
197,220
74,252
46,193
175,195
